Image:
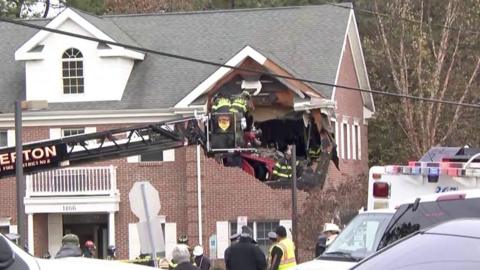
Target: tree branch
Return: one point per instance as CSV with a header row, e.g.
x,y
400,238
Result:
x,y
456,116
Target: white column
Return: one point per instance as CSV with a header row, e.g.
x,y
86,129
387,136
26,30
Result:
x,y
111,228
30,234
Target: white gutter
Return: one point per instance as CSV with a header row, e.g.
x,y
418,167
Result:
x,y
199,195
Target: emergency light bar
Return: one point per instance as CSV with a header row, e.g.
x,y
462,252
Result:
x,y
434,169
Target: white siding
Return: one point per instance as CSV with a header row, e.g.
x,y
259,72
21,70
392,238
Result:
x,y
55,133
223,239
105,77
55,233
133,241
170,238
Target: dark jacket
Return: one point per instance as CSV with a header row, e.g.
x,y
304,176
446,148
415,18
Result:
x,y
202,262
69,251
245,255
186,266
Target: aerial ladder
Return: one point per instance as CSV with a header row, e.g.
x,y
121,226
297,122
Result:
x,y
207,131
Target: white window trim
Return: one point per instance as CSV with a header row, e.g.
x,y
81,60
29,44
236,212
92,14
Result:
x,y
349,141
5,222
11,137
337,142
354,143
80,59
342,141
358,137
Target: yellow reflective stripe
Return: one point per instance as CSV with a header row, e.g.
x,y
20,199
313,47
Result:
x,y
288,259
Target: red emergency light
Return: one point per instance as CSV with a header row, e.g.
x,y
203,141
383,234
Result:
x,y
452,197
381,190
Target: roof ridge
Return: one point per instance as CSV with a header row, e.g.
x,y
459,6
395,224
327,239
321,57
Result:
x,y
196,12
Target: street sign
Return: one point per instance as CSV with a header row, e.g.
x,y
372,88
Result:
x,y
152,200
145,204
157,236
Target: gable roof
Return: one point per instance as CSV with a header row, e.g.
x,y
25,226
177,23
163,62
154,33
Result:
x,y
307,40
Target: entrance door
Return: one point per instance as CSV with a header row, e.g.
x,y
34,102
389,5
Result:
x,y
93,227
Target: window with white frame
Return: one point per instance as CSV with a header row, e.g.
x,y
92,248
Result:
x,y
346,141
3,138
72,72
4,225
72,131
357,136
336,132
260,232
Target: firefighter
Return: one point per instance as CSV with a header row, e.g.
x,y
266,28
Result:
x,y
282,169
314,152
221,104
240,106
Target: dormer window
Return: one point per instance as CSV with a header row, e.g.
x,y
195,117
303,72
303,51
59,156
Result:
x,y
72,72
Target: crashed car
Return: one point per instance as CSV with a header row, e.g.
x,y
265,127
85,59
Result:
x,y
259,138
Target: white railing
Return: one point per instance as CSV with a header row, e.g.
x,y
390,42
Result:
x,y
75,181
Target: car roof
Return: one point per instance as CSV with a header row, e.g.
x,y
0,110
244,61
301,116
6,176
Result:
x,y
458,227
379,211
469,194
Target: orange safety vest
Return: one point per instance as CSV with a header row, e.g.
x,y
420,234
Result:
x,y
288,259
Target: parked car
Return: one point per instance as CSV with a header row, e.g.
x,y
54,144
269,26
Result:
x,y
454,244
14,258
359,239
427,211
413,215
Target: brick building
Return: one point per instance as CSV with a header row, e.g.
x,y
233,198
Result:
x,y
92,87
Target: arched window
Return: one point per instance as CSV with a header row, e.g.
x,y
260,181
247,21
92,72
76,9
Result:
x,y
72,71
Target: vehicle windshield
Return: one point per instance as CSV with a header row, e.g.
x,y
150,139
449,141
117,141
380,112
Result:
x,y
407,221
360,238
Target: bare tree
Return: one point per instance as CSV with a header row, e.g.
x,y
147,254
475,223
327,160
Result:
x,y
425,49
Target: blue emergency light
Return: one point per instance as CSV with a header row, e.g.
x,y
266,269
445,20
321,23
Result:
x,y
433,174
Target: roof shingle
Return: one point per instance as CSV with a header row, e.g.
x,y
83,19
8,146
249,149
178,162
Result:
x,y
307,40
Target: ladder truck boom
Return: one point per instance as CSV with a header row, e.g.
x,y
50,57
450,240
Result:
x,y
103,145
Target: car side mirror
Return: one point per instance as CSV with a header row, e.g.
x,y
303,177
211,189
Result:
x,y
7,257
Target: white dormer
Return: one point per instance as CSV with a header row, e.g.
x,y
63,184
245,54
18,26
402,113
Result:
x,y
61,68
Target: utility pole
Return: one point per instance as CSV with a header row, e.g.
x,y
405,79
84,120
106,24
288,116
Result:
x,y
20,179
294,195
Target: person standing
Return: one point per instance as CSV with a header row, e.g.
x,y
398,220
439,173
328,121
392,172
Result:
x,y
70,247
181,256
272,236
201,261
331,231
245,255
89,249
283,253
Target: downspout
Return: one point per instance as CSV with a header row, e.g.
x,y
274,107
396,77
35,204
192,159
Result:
x,y
199,194
199,197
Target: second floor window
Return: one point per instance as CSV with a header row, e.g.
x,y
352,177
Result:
x,y
72,132
3,138
72,72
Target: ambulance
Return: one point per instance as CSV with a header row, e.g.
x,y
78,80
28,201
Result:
x,y
441,170
389,186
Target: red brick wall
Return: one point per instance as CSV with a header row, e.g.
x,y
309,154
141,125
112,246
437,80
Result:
x,y
350,108
40,233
